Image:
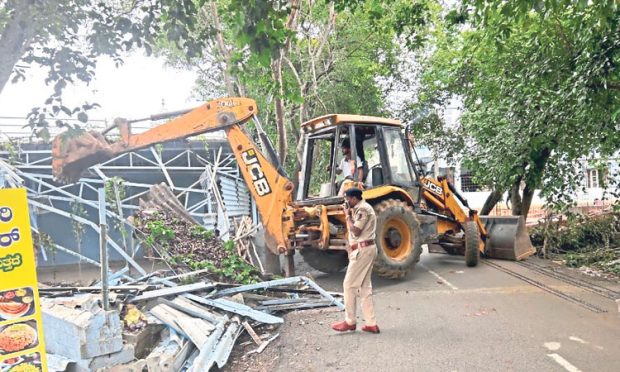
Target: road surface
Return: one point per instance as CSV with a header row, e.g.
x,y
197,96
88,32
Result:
x,y
499,316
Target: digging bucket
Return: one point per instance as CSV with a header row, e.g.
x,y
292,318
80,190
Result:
x,y
508,238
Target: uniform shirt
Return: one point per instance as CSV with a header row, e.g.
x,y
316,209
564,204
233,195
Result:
x,y
346,167
364,218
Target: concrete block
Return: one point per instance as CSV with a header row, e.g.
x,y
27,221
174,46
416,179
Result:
x,y
105,362
137,366
146,340
79,329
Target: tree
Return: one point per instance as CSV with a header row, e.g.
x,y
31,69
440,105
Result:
x,y
539,87
67,36
327,61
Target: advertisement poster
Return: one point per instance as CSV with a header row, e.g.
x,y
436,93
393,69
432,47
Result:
x,y
22,347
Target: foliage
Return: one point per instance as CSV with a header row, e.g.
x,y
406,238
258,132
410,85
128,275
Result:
x,y
194,247
115,192
159,233
77,209
331,60
607,260
44,241
113,186
583,240
200,232
12,148
67,37
406,19
539,86
232,267
578,232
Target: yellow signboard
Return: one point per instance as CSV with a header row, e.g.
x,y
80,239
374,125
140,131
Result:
x,y
22,346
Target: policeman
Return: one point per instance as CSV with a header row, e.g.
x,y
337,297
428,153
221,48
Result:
x,y
361,224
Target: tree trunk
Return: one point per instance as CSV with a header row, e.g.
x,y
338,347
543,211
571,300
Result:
x,y
16,37
494,197
221,44
528,195
515,198
276,69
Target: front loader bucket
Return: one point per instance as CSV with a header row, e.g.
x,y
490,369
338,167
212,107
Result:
x,y
508,238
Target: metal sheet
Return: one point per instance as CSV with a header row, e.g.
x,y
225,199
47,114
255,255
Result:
x,y
236,308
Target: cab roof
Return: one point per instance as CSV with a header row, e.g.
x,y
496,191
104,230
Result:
x,y
333,120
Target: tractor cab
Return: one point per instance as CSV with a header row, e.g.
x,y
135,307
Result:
x,y
354,150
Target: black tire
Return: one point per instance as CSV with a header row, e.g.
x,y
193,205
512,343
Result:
x,y
396,254
472,244
330,261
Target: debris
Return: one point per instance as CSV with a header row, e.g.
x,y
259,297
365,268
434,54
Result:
x,y
79,329
263,346
252,333
133,319
236,308
166,326
171,291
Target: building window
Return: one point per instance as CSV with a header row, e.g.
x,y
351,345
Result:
x,y
593,178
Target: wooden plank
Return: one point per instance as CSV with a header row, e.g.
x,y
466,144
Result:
x,y
251,332
172,291
262,346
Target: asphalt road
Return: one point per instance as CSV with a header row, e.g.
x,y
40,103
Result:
x,y
447,317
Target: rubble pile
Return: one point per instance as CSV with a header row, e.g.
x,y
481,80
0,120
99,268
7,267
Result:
x,y
178,237
187,246
159,324
590,242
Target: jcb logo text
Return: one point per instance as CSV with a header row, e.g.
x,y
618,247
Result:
x,y
256,172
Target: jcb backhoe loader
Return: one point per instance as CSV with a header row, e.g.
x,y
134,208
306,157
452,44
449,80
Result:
x,y
409,209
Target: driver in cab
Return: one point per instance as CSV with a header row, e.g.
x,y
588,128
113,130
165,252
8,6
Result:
x,y
349,168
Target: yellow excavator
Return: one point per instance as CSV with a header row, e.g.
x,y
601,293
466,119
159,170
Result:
x,y
411,209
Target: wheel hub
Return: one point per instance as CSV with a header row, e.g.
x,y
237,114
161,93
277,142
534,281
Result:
x,y
393,238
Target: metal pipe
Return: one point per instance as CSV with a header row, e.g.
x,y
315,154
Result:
x,y
103,249
163,115
269,147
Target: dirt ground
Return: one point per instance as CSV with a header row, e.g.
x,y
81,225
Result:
x,y
305,329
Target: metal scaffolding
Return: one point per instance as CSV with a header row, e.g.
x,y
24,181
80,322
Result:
x,y
190,169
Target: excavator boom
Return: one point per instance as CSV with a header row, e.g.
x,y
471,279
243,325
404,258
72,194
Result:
x,y
71,155
269,187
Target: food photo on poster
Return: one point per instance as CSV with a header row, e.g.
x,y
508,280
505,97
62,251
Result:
x,y
16,303
23,363
18,336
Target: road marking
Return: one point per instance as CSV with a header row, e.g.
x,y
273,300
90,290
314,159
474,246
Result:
x,y
563,362
553,346
577,339
452,286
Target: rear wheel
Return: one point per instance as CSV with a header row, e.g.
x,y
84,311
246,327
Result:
x,y
330,261
472,244
398,239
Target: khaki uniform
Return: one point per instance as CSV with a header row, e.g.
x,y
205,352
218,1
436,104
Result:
x,y
357,279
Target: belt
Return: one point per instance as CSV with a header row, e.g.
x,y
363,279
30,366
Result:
x,y
362,244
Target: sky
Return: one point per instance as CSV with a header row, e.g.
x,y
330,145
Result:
x,y
140,87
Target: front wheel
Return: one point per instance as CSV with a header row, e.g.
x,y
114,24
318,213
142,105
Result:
x,y
472,244
398,239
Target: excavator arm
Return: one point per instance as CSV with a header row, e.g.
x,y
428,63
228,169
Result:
x,y
269,187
